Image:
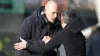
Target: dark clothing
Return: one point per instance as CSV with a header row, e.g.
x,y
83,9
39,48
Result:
x,y
93,44
3,54
74,44
71,37
34,28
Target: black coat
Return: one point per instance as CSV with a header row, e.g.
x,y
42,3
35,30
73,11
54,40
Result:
x,y
71,37
93,43
34,28
2,53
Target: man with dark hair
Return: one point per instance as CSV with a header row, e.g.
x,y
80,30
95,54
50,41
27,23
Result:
x,y
70,37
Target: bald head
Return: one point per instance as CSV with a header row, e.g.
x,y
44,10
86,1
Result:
x,y
51,10
51,4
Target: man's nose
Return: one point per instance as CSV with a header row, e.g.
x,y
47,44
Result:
x,y
55,15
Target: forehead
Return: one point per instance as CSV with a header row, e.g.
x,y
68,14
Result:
x,y
53,8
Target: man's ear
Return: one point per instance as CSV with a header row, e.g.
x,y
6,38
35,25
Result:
x,y
62,20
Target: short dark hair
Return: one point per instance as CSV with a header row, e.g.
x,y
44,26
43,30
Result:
x,y
68,15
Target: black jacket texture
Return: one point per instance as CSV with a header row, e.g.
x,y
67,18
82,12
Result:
x,y
34,28
71,37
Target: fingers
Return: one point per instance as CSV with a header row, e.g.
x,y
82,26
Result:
x,y
17,46
48,39
22,39
20,45
44,38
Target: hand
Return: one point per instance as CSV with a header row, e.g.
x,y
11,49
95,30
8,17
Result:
x,y
21,45
46,39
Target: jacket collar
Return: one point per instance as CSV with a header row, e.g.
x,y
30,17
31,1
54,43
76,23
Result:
x,y
73,25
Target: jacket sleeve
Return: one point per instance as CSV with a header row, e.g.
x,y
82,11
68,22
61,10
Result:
x,y
26,33
35,46
53,43
44,48
25,29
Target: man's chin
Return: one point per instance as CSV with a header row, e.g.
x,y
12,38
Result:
x,y
52,22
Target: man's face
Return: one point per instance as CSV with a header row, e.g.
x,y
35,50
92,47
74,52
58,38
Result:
x,y
51,14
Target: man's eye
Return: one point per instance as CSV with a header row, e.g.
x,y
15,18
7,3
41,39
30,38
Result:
x,y
53,12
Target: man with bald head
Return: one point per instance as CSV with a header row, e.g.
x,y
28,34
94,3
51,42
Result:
x,y
51,10
42,22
